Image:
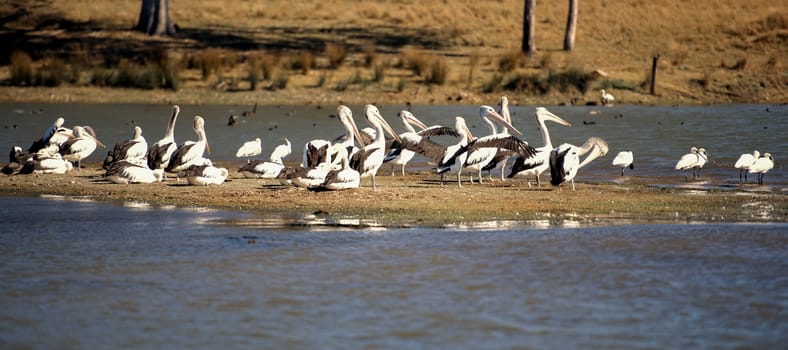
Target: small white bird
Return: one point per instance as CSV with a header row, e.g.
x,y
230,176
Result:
x,y
762,166
606,98
694,160
250,149
744,162
623,160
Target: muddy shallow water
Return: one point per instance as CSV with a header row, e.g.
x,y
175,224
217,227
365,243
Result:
x,y
84,274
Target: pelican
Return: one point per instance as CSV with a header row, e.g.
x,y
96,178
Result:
x,y
160,152
540,162
461,155
269,169
368,160
606,98
44,140
623,160
250,149
188,153
762,166
501,155
132,149
693,160
81,146
412,142
343,178
132,172
204,175
44,163
346,146
17,160
565,159
310,177
744,162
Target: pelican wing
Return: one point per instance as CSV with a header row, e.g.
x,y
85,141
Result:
x,y
160,154
357,161
427,148
557,171
438,131
507,142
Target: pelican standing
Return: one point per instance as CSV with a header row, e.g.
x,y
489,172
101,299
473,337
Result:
x,y
501,155
81,146
190,152
345,146
250,149
132,172
132,149
368,160
624,159
160,152
744,162
412,142
565,159
205,175
540,162
606,98
762,166
693,160
464,154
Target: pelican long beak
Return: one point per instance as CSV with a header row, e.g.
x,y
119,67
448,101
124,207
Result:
x,y
411,119
547,115
99,143
356,133
468,134
207,147
375,114
493,115
597,148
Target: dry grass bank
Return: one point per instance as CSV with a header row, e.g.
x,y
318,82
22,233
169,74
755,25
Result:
x,y
397,51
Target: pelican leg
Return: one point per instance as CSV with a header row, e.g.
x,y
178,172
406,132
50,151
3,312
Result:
x,y
403,169
622,171
459,178
391,166
480,176
538,181
441,179
760,178
573,184
374,188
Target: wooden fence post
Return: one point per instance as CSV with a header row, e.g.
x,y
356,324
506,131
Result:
x,y
654,74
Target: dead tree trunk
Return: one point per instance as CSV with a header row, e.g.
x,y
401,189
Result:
x,y
529,22
571,26
155,18
654,63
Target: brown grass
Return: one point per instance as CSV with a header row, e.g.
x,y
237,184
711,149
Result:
x,y
617,37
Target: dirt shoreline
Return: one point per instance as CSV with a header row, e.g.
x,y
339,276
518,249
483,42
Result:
x,y
418,200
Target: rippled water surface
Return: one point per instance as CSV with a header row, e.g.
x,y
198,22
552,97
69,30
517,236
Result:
x,y
658,136
81,274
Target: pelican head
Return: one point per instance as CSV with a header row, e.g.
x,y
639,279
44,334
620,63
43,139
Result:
x,y
59,122
595,147
408,118
376,119
503,108
487,112
199,128
542,114
462,128
345,116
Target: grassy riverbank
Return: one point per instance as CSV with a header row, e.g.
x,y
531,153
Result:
x,y
356,52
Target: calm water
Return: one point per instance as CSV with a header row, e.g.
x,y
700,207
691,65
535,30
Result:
x,y
658,136
81,274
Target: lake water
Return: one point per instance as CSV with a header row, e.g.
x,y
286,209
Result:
x,y
82,274
658,136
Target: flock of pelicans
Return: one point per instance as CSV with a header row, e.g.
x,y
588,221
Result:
x,y
342,163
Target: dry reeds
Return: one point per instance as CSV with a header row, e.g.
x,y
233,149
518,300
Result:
x,y
22,71
438,72
510,61
336,55
416,60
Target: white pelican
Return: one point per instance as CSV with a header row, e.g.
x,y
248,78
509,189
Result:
x,y
204,175
368,160
624,159
606,98
44,163
188,153
693,160
744,162
132,149
310,177
762,166
461,155
17,159
540,162
250,149
132,172
501,155
44,140
160,152
343,178
269,169
412,142
565,159
81,146
345,146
